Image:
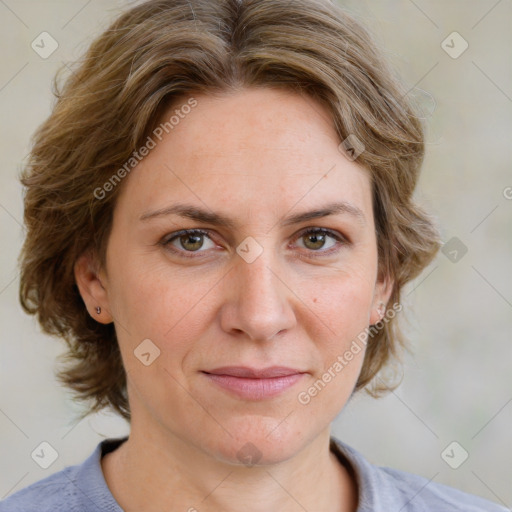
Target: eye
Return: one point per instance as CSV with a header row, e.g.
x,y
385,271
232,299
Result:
x,y
316,240
187,241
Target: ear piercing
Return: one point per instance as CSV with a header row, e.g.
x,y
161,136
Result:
x,y
381,309
98,310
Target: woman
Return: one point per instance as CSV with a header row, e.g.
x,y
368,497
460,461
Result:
x,y
220,222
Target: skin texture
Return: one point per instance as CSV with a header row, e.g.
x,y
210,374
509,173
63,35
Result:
x,y
257,156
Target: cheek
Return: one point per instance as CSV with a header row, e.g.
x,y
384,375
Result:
x,y
340,316
346,316
162,304
338,319
171,312
340,301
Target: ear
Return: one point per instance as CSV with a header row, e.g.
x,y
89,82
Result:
x,y
90,283
382,293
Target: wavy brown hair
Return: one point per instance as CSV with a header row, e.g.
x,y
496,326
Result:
x,y
154,54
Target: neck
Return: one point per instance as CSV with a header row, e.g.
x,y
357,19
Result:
x,y
142,475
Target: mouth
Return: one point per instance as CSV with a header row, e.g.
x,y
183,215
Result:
x,y
255,384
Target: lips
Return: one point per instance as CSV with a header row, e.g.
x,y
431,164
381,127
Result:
x,y
254,384
253,373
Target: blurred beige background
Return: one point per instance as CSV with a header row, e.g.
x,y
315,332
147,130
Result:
x,y
458,385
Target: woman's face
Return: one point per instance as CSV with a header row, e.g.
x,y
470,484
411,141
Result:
x,y
258,291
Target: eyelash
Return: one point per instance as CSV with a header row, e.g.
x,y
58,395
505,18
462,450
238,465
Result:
x,y
166,241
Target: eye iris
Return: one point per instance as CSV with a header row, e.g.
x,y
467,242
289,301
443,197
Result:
x,y
317,238
195,245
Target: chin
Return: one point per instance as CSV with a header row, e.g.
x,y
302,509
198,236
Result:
x,y
258,441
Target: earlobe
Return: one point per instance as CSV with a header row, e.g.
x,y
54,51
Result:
x,y
91,288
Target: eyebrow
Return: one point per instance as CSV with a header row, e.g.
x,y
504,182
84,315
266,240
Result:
x,y
194,213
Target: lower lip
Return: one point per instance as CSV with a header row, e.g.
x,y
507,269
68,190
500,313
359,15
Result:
x,y
255,389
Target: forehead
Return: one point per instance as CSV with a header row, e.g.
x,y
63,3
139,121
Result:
x,y
251,151
267,120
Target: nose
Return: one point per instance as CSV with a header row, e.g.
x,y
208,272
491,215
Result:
x,y
258,302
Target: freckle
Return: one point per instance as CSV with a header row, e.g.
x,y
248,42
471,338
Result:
x,y
314,299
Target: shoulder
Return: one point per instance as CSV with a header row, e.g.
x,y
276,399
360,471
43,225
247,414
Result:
x,y
382,489
54,492
78,488
421,494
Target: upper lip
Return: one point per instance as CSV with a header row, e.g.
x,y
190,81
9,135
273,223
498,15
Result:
x,y
254,373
